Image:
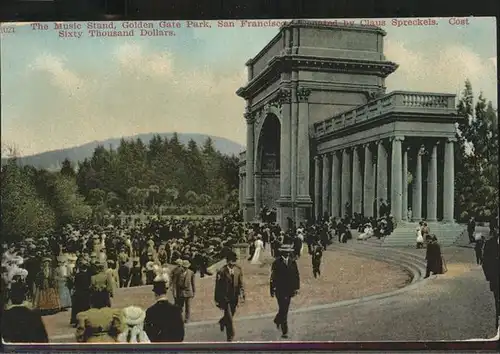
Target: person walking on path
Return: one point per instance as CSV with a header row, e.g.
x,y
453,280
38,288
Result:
x,y
284,284
81,294
184,289
316,260
174,274
478,247
102,282
490,268
420,237
433,256
229,289
471,227
163,321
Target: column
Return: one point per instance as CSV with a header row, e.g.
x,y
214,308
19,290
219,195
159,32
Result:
x,y
357,182
381,172
257,193
303,201
417,186
405,185
397,178
243,185
285,201
449,181
249,200
432,185
335,193
317,187
346,181
293,146
326,185
240,190
368,186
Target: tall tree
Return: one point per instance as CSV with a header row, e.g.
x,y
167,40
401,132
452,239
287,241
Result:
x,y
23,213
67,168
476,182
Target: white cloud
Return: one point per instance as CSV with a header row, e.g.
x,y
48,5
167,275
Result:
x,y
442,69
60,75
145,92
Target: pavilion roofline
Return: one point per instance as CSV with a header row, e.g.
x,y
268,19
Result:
x,y
314,23
403,103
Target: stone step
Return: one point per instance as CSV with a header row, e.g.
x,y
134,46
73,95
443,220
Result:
x,y
404,235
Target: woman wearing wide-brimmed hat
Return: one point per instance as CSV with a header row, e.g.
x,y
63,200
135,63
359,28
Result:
x,y
133,321
46,294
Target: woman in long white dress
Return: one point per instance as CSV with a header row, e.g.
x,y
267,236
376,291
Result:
x,y
300,235
420,238
259,247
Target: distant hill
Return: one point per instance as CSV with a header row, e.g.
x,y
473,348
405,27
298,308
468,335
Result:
x,y
51,160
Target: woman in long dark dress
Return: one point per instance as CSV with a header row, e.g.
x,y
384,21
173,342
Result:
x,y
433,256
81,294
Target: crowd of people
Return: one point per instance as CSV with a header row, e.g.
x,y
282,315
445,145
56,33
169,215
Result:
x,y
80,268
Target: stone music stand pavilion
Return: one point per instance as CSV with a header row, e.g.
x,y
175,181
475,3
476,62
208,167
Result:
x,y
323,135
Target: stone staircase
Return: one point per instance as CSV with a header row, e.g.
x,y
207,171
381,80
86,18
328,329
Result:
x,y
404,235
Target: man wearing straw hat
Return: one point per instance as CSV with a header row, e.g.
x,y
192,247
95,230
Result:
x,y
284,284
174,274
184,289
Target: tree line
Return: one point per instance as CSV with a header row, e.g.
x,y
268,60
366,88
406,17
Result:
x,y
163,177
476,158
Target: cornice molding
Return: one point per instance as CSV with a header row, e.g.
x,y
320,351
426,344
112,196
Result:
x,y
287,63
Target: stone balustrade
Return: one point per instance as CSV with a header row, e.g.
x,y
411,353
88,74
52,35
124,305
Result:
x,y
397,101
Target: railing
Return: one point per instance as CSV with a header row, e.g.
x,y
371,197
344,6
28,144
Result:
x,y
397,100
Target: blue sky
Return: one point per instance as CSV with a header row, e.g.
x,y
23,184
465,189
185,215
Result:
x,y
58,92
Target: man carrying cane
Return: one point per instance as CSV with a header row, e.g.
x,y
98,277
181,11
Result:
x,y
228,289
284,284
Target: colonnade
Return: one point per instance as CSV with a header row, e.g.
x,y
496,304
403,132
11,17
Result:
x,y
358,177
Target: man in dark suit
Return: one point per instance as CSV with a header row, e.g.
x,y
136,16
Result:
x,y
163,322
284,284
490,268
471,227
21,324
228,289
317,254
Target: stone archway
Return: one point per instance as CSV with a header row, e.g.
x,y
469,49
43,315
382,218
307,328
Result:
x,y
267,164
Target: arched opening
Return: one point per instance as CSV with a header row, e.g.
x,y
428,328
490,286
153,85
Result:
x,y
268,164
